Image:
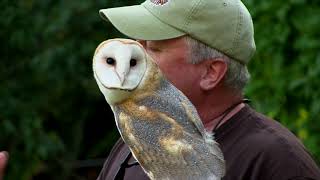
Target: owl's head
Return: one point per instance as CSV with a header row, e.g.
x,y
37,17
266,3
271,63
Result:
x,y
119,66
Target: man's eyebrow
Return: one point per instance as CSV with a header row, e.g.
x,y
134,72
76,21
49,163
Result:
x,y
157,44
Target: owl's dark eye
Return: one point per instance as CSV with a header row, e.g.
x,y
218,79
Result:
x,y
111,61
133,62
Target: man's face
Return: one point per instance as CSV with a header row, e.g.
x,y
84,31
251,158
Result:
x,y
172,58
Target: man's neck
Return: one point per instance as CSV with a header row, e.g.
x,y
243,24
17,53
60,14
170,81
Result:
x,y
214,111
213,124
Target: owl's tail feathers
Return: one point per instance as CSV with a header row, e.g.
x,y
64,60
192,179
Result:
x,y
213,145
205,158
213,156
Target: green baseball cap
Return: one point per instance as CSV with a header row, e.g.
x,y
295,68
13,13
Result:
x,y
225,25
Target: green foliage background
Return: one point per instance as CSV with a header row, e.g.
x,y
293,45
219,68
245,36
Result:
x,y
50,106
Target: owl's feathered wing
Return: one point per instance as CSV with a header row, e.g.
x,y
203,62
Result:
x,y
202,154
167,137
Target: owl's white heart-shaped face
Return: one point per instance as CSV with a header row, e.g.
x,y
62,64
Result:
x,y
118,66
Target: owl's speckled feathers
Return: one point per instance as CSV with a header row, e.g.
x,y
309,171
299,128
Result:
x,y
157,122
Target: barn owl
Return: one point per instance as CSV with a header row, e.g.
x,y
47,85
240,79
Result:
x,y
157,122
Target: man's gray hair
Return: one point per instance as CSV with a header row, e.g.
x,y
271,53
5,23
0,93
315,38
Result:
x,y
237,75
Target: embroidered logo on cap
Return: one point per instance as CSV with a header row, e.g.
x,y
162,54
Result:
x,y
159,2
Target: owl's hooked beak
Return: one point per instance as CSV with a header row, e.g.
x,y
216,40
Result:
x,y
122,75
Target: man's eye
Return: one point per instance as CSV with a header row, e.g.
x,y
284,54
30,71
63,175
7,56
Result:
x,y
154,49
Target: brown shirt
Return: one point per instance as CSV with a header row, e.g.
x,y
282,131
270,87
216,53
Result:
x,y
254,147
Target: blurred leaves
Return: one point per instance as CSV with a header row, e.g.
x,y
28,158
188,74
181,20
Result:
x,y
286,68
52,113
48,94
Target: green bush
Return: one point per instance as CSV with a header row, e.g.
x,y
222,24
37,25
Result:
x,y
48,94
50,104
286,68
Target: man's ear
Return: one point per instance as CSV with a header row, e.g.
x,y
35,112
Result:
x,y
215,71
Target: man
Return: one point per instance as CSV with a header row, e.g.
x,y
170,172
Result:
x,y
203,47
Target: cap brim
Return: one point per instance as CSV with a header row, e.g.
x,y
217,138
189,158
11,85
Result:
x,y
138,23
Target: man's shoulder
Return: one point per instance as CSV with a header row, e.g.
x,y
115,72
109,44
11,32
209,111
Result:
x,y
121,165
264,149
272,147
271,137
112,164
